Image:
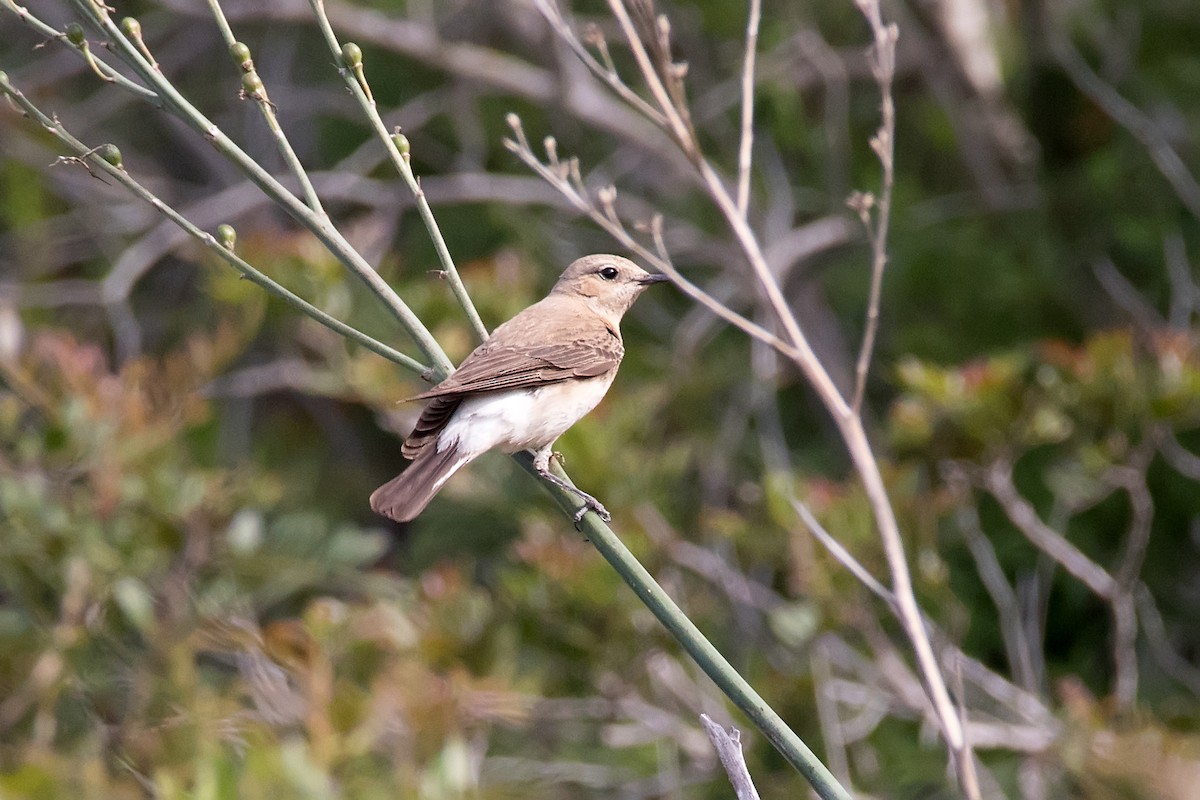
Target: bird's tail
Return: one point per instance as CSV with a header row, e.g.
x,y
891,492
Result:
x,y
406,495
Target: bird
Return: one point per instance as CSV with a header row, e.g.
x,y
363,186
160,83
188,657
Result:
x,y
522,388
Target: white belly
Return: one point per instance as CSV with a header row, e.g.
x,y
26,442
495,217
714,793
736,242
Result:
x,y
521,419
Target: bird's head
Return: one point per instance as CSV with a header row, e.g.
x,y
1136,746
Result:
x,y
608,284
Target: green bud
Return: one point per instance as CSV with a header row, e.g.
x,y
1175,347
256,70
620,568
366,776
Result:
x,y
251,83
401,142
351,55
75,34
241,55
112,154
131,28
226,236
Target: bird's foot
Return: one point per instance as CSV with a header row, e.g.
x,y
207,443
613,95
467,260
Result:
x,y
590,504
559,457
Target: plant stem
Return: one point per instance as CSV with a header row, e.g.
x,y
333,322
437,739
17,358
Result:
x,y
702,651
268,111
317,224
401,162
93,161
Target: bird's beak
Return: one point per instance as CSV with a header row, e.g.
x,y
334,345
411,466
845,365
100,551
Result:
x,y
653,278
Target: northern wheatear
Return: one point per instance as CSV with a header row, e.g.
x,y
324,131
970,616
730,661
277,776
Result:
x,y
537,375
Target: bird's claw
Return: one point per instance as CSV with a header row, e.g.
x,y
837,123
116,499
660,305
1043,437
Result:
x,y
591,504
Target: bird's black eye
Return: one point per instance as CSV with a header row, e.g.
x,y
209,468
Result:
x,y
608,273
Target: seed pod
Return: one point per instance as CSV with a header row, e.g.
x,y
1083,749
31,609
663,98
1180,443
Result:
x,y
131,28
401,142
351,55
112,154
241,55
252,84
226,236
75,34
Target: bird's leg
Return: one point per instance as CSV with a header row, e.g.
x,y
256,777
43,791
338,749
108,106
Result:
x,y
541,463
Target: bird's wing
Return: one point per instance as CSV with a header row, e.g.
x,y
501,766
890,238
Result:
x,y
546,343
521,366
429,426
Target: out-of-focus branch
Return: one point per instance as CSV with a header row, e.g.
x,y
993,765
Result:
x,y
1004,691
746,146
1130,117
883,144
827,713
1017,643
728,744
567,179
1117,588
998,479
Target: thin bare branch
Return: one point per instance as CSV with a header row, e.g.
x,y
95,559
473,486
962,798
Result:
x,y
1169,660
843,556
965,758
675,121
827,714
1141,126
797,348
1185,294
746,147
883,143
1016,640
998,480
573,188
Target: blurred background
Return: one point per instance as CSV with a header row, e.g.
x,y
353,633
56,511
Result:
x,y
195,599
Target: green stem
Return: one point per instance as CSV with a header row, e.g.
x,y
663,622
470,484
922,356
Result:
x,y
318,225
50,32
401,163
268,111
702,651
95,161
